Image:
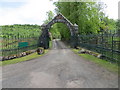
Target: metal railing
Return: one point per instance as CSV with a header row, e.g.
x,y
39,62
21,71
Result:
x,y
106,44
11,46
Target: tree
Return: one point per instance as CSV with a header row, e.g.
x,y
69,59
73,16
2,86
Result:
x,y
118,26
50,16
89,16
55,31
85,14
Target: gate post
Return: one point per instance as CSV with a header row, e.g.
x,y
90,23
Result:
x,y
74,37
47,38
44,38
74,41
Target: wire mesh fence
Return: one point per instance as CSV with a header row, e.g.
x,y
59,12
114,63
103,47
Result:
x,y
108,45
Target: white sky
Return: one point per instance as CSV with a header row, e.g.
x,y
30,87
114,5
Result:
x,y
112,8
34,11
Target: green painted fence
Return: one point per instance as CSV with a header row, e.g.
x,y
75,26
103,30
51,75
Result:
x,y
106,44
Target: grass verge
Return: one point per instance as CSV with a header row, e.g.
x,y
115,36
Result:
x,y
50,44
106,64
25,58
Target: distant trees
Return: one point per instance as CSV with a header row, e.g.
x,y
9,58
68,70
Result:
x,y
89,16
18,30
55,31
50,16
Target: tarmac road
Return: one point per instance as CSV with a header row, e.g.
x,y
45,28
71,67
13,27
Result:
x,y
59,68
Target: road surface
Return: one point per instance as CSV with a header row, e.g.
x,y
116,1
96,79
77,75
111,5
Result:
x,y
59,68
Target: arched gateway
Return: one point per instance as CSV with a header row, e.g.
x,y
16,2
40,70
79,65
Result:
x,y
44,38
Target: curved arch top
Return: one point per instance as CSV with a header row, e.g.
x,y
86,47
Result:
x,y
44,38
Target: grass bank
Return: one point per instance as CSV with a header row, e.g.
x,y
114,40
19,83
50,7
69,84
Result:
x,y
25,58
106,64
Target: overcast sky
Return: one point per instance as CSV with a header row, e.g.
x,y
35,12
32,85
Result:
x,y
34,11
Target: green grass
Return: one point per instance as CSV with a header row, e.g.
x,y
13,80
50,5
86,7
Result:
x,y
106,64
17,60
28,57
50,44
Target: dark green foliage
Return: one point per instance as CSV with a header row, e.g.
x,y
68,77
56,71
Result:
x,y
88,15
81,13
58,32
55,31
64,31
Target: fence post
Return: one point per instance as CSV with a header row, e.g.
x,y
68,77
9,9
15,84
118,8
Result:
x,y
18,47
102,44
112,46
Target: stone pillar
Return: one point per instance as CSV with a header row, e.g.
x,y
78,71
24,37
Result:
x,y
74,41
46,41
74,37
44,38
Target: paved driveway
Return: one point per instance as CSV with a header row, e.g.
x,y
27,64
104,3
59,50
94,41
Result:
x,y
60,68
